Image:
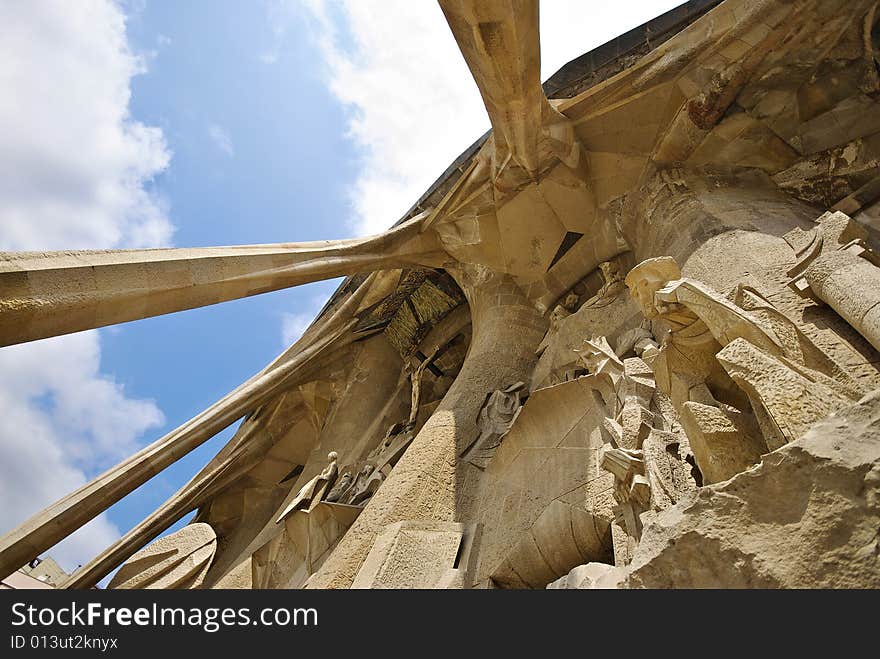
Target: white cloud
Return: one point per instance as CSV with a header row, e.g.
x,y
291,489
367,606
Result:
x,y
294,324
316,294
414,106
73,163
74,173
61,419
221,139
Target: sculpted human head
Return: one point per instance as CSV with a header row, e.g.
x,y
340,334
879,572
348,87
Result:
x,y
331,456
647,278
596,353
610,271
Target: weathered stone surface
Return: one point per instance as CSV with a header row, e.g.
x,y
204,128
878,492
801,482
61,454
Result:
x,y
721,439
806,517
179,560
239,578
590,575
417,555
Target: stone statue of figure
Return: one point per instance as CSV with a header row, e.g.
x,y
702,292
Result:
x,y
699,322
416,383
612,287
686,359
359,485
339,489
311,493
561,311
732,367
366,487
496,418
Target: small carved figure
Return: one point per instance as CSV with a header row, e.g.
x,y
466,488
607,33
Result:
x,y
340,488
731,412
612,287
311,493
367,486
497,416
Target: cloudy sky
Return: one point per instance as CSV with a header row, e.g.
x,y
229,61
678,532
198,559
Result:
x,y
209,122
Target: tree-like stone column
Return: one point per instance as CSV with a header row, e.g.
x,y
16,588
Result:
x,y
428,483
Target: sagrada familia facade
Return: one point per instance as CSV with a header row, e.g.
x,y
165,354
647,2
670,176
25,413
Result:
x,y
628,339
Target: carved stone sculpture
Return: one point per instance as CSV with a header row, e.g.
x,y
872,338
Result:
x,y
340,488
632,492
562,310
415,374
612,287
311,494
698,322
496,418
642,452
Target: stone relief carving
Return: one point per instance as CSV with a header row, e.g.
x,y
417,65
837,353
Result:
x,y
612,287
496,418
359,482
645,449
415,372
564,309
715,362
340,488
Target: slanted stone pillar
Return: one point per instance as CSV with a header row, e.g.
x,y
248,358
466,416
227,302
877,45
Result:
x,y
849,284
45,294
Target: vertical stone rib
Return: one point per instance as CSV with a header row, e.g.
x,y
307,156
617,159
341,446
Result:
x,y
500,42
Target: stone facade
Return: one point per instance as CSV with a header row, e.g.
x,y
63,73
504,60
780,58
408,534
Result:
x,y
629,339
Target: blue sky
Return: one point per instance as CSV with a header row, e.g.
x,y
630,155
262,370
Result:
x,y
260,156
209,122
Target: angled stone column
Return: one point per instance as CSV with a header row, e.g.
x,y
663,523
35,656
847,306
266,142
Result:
x,y
62,518
849,284
500,42
45,294
214,477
